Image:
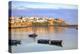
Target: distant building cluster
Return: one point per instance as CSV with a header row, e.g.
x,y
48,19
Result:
x,y
30,21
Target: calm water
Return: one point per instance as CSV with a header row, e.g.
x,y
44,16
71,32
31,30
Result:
x,y
68,35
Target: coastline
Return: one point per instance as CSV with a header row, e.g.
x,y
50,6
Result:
x,y
71,26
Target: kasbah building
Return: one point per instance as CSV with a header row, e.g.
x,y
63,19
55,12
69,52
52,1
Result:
x,y
27,21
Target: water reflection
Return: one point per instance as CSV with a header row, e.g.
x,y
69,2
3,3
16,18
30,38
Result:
x,y
39,29
55,29
23,33
68,36
28,29
45,32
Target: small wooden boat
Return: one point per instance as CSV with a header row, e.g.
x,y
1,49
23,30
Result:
x,y
50,42
33,35
14,42
41,41
56,42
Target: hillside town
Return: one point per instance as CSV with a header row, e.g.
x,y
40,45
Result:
x,y
35,21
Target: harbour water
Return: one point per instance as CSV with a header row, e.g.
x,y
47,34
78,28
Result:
x,y
69,36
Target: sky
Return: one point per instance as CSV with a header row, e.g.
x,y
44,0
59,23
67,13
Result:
x,y
68,13
25,5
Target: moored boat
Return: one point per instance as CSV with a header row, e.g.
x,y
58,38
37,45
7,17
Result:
x,y
14,42
51,42
33,35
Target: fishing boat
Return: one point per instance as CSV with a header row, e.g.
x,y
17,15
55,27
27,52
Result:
x,y
42,41
56,42
50,42
14,42
33,35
